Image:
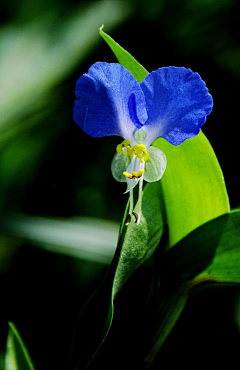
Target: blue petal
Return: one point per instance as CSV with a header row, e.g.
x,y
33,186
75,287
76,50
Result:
x,y
109,101
177,103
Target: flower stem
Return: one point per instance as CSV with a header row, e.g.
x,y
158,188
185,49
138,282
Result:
x,y
130,201
140,194
130,211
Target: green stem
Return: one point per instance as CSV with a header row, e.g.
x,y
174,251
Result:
x,y
140,194
130,201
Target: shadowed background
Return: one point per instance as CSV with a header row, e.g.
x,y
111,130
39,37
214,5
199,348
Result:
x,y
60,206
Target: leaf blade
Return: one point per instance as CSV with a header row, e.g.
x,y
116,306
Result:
x,y
140,241
193,186
211,252
17,355
124,57
132,251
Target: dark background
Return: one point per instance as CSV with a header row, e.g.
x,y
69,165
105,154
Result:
x,y
50,168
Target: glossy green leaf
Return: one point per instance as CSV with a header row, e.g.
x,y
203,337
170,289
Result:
x,y
136,244
194,191
209,254
124,58
17,356
140,241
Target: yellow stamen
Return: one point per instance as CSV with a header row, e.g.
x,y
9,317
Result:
x,y
146,156
140,172
133,175
140,146
127,174
139,150
124,144
130,152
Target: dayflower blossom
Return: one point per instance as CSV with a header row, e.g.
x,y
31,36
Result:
x,y
171,102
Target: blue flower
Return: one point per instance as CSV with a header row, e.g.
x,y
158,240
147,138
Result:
x,y
171,102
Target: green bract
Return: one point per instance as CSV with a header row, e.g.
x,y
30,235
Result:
x,y
156,165
118,166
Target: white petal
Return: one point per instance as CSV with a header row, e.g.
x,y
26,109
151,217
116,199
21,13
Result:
x,y
119,165
135,165
156,164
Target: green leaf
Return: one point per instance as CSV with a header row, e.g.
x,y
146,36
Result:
x,y
209,254
136,244
140,241
193,186
17,356
124,58
89,239
194,191
225,266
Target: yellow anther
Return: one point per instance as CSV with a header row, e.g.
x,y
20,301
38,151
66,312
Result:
x,y
140,172
140,151
140,147
146,156
133,175
127,174
126,143
120,147
130,152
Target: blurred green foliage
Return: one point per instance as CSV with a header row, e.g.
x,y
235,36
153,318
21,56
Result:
x,y
45,166
17,356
